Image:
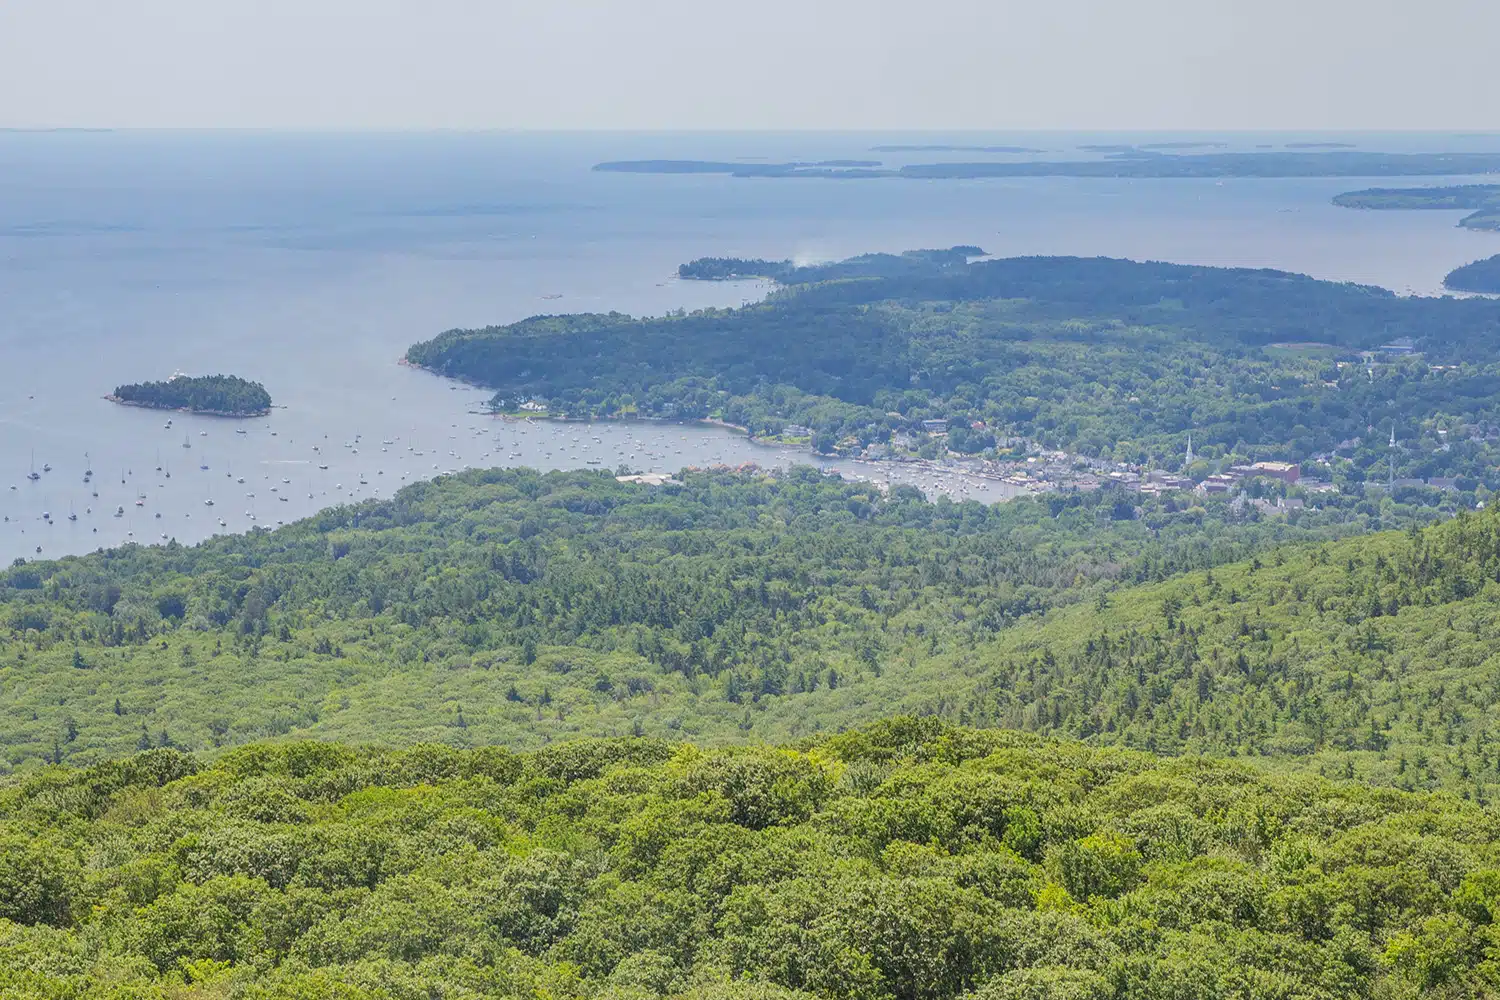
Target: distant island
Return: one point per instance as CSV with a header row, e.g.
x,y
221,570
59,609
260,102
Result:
x,y
1320,145
1119,162
1138,163
1481,200
943,148
821,168
215,395
1183,145
874,265
1480,276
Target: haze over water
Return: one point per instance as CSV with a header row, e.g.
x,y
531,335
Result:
x,y
310,263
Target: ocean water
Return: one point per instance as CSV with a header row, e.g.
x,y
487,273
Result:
x,y
310,262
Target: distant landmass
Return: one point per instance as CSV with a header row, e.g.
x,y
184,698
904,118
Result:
x,y
217,395
1138,164
1182,145
865,168
1097,357
873,265
1480,276
1320,145
941,148
1123,162
1482,200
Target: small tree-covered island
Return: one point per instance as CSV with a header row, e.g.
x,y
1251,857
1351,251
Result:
x,y
216,395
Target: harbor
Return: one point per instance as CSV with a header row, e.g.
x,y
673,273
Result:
x,y
193,477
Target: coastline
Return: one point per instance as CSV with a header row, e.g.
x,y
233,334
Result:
x,y
924,465
227,414
1023,485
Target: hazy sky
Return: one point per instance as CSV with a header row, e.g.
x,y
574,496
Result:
x,y
715,64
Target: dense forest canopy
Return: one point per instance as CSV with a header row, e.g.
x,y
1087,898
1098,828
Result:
x,y
229,395
1480,276
1108,358
509,606
1377,656
905,861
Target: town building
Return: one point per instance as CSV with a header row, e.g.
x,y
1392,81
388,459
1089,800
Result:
x,y
1218,483
1287,472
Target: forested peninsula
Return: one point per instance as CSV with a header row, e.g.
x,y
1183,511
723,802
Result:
x,y
216,395
1111,359
1482,201
1118,161
1480,276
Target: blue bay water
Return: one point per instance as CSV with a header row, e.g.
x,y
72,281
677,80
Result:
x,y
310,262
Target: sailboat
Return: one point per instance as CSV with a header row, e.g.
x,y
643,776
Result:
x,y
185,442
33,475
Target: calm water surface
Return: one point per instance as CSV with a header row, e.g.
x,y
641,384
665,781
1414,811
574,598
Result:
x,y
310,263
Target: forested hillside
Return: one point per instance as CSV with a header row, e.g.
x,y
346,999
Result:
x,y
1377,657
906,861
512,607
1108,358
1315,820
508,606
